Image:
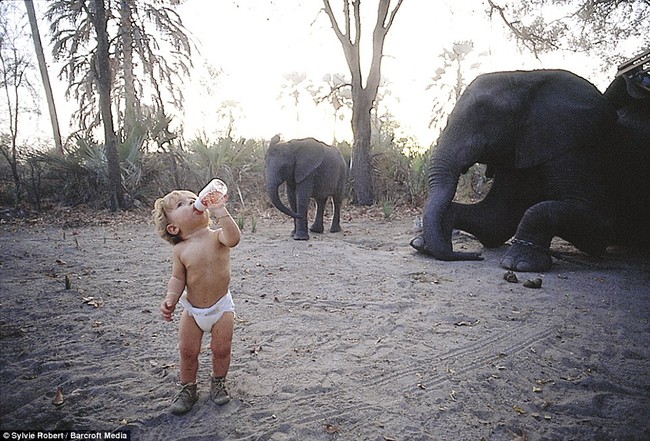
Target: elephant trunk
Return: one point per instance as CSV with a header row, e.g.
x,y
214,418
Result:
x,y
439,213
272,188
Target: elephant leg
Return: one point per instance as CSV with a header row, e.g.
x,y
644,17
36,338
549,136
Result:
x,y
300,231
494,219
578,222
317,226
574,190
335,227
291,197
302,208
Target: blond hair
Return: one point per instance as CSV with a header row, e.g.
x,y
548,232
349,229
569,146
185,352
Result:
x,y
159,214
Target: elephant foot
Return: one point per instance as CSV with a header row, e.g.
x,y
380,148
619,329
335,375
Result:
x,y
335,229
447,255
316,228
418,243
301,236
526,258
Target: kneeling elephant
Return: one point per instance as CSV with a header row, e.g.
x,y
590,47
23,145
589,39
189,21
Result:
x,y
566,161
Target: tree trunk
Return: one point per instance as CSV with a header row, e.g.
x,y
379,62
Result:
x,y
42,66
363,98
103,73
131,103
13,71
361,166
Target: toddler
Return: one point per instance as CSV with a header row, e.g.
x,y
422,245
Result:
x,y
200,283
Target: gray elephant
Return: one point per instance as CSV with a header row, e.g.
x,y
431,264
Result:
x,y
566,161
311,169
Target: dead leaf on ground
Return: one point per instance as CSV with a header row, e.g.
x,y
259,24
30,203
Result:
x,y
331,429
97,302
535,283
58,398
465,323
510,277
519,410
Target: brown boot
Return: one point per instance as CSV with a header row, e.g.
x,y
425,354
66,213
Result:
x,y
185,399
218,391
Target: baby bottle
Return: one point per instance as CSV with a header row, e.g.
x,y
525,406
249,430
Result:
x,y
210,195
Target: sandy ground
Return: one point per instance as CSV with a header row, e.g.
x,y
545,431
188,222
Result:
x,y
349,336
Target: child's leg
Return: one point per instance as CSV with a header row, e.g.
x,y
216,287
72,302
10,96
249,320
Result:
x,y
222,333
189,336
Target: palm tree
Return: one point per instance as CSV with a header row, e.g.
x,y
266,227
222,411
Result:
x,y
112,76
294,83
149,62
97,14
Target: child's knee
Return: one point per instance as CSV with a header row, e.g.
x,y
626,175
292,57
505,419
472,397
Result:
x,y
221,350
189,352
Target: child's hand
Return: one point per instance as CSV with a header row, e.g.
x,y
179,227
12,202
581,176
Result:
x,y
167,309
221,203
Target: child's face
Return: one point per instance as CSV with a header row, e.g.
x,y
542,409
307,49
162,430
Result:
x,y
180,212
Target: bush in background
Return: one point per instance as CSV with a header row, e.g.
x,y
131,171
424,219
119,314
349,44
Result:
x,y
400,174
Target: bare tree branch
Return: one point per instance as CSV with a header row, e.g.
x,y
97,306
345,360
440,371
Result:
x,y
603,28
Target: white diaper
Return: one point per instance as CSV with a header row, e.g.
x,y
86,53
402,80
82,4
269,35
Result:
x,y
207,317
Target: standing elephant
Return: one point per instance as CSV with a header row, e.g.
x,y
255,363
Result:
x,y
563,156
311,169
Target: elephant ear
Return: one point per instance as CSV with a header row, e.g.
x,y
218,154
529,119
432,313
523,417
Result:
x,y
564,112
309,156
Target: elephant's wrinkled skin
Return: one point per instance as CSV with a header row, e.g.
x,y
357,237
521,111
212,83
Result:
x,y
567,161
311,169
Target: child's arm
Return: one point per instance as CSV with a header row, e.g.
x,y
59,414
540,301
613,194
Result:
x,y
175,288
229,234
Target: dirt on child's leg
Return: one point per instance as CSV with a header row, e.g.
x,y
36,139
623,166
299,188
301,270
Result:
x,y
221,344
189,342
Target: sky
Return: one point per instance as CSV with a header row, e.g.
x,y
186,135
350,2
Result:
x,y
254,44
